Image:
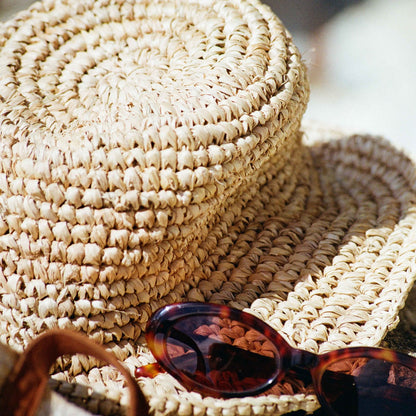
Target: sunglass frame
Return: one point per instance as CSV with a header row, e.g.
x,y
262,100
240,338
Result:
x,y
290,357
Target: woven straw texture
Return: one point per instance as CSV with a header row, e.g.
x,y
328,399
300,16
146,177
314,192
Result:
x,y
327,259
128,130
150,153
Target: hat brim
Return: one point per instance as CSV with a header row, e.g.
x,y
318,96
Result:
x,y
328,262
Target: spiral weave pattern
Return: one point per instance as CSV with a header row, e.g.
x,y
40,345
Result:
x,y
324,255
128,129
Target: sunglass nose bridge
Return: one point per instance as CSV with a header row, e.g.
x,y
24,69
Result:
x,y
303,359
300,365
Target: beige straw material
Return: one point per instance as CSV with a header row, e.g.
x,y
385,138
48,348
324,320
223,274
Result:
x,y
326,256
150,152
128,130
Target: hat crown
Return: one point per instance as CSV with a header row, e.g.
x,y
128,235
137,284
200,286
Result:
x,y
128,130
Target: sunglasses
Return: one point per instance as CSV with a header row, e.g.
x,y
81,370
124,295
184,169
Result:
x,y
223,352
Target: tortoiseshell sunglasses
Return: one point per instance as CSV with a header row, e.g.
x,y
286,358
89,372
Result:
x,y
223,352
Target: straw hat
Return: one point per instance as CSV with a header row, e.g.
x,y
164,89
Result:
x,y
152,152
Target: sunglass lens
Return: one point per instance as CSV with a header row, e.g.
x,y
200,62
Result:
x,y
222,355
370,387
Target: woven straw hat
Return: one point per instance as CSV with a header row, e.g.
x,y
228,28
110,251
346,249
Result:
x,y
152,152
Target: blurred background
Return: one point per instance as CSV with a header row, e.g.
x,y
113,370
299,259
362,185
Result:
x,y
361,56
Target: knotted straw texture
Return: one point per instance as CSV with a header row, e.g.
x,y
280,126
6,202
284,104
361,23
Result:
x,y
129,131
151,153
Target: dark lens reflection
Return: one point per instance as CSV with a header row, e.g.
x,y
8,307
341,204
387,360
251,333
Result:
x,y
222,354
367,386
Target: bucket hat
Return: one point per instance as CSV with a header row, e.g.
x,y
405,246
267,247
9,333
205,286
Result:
x,y
152,152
